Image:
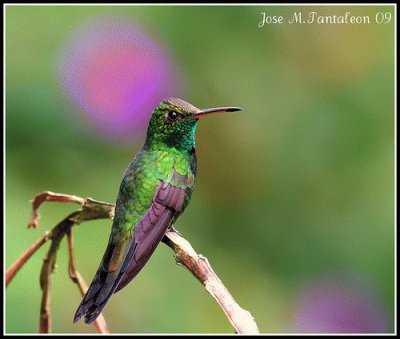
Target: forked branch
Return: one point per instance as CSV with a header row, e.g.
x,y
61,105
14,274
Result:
x,y
241,320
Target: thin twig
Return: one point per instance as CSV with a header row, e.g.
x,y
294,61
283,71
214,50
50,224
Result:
x,y
16,266
99,324
49,196
49,263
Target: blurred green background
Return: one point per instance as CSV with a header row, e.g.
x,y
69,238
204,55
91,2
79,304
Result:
x,y
298,185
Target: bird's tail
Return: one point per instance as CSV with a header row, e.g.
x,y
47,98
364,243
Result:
x,y
101,289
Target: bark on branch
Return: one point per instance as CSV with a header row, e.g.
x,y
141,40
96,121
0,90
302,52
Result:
x,y
91,209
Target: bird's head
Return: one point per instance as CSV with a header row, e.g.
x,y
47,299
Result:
x,y
173,123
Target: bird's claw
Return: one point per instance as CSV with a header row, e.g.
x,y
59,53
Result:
x,y
172,229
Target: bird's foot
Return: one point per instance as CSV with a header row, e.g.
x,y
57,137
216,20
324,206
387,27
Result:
x,y
172,229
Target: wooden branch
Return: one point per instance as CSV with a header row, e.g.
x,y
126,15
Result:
x,y
241,320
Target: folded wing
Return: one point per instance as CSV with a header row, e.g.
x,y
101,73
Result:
x,y
167,203
126,256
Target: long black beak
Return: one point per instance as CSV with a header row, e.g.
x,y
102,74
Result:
x,y
208,111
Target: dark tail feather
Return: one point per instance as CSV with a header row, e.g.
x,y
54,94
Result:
x,y
95,299
100,291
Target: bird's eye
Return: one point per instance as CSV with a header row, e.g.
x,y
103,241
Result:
x,y
173,116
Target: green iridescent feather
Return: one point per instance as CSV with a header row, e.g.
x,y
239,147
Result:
x,y
147,171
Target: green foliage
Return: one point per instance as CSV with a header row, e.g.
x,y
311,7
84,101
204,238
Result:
x,y
299,183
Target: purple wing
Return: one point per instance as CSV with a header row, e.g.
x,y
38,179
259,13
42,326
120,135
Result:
x,y
123,260
152,226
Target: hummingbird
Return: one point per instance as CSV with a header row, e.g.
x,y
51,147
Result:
x,y
155,190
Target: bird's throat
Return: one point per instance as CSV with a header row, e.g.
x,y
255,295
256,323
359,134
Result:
x,y
183,142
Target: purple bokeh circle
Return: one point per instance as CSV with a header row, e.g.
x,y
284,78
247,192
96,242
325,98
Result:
x,y
115,73
339,304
